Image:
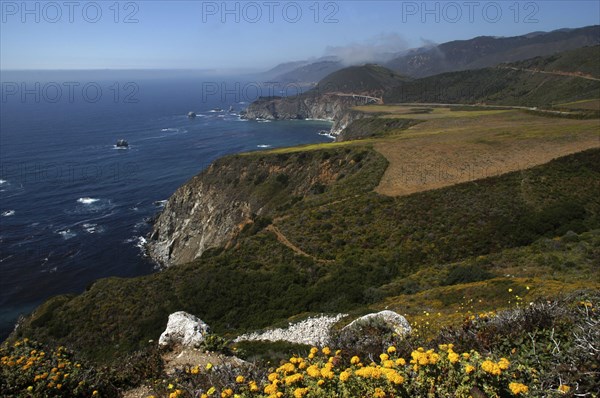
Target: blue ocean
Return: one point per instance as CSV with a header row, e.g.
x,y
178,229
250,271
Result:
x,y
73,206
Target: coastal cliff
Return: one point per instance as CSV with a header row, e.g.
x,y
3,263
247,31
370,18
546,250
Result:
x,y
234,192
334,107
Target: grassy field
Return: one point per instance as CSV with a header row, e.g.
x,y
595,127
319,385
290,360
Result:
x,y
424,113
451,147
593,105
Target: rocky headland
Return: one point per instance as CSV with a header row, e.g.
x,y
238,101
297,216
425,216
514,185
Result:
x,y
336,108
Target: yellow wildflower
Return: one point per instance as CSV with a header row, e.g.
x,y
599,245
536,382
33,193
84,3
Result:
x,y
354,360
391,350
287,368
253,386
300,392
271,389
517,388
491,368
295,378
228,392
313,371
453,357
379,393
344,376
564,388
327,373
240,379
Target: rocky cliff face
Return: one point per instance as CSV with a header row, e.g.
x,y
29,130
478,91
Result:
x,y
197,217
332,107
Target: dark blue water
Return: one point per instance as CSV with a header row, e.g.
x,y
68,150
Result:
x,y
73,207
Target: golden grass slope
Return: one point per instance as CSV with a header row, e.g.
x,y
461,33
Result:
x,y
452,147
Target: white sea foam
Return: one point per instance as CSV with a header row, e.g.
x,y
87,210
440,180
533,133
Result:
x,y
67,234
170,129
3,182
141,242
87,200
264,146
327,134
160,203
8,213
91,228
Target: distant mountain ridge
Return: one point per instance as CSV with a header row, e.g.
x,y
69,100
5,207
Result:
x,y
476,53
537,82
540,81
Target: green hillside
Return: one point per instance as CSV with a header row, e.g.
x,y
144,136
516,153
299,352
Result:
x,y
509,84
360,253
582,60
366,79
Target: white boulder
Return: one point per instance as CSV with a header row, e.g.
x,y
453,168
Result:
x,y
184,329
393,320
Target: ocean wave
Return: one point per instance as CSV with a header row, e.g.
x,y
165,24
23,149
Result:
x,y
139,242
91,228
264,146
67,234
326,134
87,200
160,203
3,182
172,129
8,213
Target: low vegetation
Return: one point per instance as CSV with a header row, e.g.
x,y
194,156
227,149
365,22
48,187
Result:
x,y
545,348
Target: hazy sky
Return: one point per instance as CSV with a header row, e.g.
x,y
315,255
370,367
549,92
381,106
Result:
x,y
68,34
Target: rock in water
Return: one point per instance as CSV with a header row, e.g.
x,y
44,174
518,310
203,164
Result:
x,y
122,144
184,329
191,115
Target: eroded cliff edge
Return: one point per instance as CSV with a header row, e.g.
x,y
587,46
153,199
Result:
x,y
334,107
211,209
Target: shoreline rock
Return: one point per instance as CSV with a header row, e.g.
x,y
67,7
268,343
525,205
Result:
x,y
336,108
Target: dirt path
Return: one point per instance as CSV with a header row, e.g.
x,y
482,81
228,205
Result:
x,y
283,240
555,73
